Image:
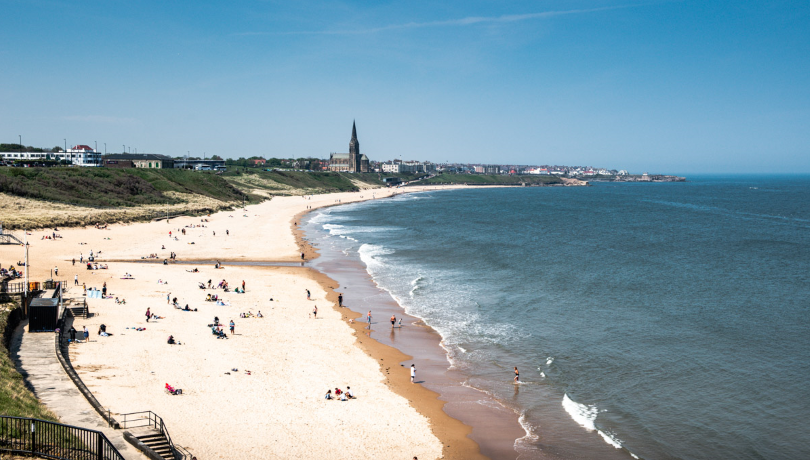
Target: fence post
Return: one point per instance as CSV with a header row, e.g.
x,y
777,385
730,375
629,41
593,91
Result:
x,y
100,454
33,437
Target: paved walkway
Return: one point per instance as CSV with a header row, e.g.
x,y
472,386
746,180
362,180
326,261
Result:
x,y
35,357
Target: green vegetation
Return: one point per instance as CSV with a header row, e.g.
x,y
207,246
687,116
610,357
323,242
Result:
x,y
298,182
481,179
110,187
22,148
15,398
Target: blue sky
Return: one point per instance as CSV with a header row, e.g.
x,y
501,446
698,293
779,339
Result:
x,y
658,86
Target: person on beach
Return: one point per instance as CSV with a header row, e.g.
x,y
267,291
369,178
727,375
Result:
x,y
86,334
413,372
302,256
308,294
227,233
328,394
400,322
233,326
75,280
243,286
315,312
169,296
393,321
517,375
349,392
74,261
148,314
368,319
340,300
56,271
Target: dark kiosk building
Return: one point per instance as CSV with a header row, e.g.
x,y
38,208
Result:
x,y
352,161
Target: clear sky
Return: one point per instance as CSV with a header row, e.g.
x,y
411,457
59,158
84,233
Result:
x,y
658,86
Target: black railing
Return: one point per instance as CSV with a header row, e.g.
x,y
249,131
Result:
x,y
54,440
152,420
61,342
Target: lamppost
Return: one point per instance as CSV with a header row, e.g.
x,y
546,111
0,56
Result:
x,y
105,148
71,160
21,158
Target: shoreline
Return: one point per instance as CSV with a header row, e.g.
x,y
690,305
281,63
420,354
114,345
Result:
x,y
453,433
453,398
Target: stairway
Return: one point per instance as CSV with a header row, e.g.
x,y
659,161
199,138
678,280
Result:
x,y
154,440
78,307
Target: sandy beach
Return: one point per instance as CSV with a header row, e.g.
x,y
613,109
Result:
x,y
260,392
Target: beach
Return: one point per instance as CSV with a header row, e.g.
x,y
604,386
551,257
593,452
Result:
x,y
260,392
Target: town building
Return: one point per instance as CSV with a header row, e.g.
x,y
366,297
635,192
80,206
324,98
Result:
x,y
138,160
352,161
200,165
79,155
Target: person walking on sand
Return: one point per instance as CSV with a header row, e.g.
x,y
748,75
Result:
x,y
308,295
517,375
413,372
74,261
340,300
243,285
233,326
148,314
75,280
302,256
315,312
169,296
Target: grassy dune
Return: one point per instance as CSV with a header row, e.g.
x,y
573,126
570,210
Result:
x,y
268,183
110,187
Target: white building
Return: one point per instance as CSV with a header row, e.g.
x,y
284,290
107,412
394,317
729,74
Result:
x,y
79,155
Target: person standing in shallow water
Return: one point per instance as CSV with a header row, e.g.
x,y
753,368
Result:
x,y
517,375
368,319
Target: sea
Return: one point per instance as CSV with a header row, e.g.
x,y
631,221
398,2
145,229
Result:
x,y
664,320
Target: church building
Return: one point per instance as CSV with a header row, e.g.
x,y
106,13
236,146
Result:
x,y
352,161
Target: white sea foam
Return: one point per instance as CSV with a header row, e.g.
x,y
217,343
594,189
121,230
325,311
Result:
x,y
549,361
610,439
543,374
529,438
583,414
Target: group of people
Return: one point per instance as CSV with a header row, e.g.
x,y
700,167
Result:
x,y
340,394
250,314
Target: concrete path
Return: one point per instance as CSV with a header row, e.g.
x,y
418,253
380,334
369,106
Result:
x,y
35,357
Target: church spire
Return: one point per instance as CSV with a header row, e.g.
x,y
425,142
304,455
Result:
x,y
354,130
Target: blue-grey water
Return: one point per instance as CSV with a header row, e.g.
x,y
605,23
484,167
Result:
x,y
668,319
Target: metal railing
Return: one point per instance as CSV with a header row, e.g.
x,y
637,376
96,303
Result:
x,y
152,420
54,440
61,342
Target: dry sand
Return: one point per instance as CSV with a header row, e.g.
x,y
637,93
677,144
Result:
x,y
279,410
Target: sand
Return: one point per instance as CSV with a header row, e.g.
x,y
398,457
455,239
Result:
x,y
279,410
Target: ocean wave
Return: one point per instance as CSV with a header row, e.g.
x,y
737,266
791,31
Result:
x,y
415,285
610,439
583,414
